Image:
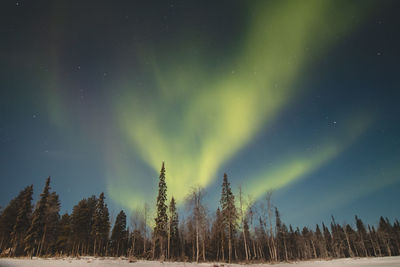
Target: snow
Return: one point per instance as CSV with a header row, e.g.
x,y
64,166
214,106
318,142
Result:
x,y
97,262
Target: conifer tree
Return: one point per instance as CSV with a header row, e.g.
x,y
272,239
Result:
x,y
362,234
328,240
81,225
7,221
173,233
101,226
22,222
63,243
119,234
217,236
321,242
34,238
243,223
229,213
52,218
161,220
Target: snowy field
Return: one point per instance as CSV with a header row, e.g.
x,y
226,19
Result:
x,y
89,261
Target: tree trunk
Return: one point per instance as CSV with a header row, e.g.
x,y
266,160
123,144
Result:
x,y
193,250
94,247
351,253
169,239
286,253
154,248
133,244
197,240
245,245
254,250
161,241
222,249
229,242
313,247
204,250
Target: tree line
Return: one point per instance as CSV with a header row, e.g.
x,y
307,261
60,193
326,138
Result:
x,y
238,230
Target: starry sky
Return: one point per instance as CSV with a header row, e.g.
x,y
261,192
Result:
x,y
297,97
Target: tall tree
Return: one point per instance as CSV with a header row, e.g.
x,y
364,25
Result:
x,y
271,240
51,223
161,220
243,223
63,243
34,237
119,234
7,221
229,213
139,224
362,235
15,221
22,221
173,231
194,203
101,226
82,221
217,236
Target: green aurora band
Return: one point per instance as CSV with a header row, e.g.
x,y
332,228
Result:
x,y
196,121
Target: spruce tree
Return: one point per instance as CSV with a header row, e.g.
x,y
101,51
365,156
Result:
x,y
52,218
34,238
14,215
81,225
63,243
217,236
161,220
118,236
362,235
229,213
7,222
328,240
101,226
173,232
22,222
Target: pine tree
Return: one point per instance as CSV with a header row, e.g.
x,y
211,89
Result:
x,y
119,233
22,222
34,238
229,213
161,220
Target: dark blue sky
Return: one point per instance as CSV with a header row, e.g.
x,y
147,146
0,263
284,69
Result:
x,y
298,97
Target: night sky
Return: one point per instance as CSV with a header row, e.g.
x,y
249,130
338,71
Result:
x,y
298,97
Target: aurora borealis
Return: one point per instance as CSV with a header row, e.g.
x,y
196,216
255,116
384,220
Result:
x,y
298,97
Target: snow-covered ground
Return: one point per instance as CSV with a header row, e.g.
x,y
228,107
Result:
x,y
89,261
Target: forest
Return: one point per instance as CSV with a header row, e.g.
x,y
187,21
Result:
x,y
235,232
